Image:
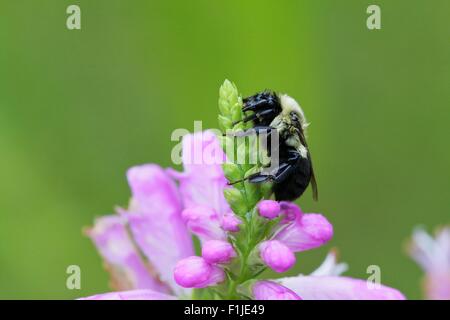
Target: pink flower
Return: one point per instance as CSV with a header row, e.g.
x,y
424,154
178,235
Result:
x,y
269,290
433,255
155,221
325,283
276,255
201,185
196,272
128,269
203,181
218,251
158,218
338,288
132,295
269,209
306,232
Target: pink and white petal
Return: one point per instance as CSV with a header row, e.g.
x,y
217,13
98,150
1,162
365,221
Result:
x,y
330,266
153,190
155,221
308,231
270,290
437,285
338,288
128,269
131,295
203,181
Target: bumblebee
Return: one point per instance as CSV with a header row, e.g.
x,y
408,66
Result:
x,y
271,112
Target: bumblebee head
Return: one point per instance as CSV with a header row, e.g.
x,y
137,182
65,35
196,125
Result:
x,y
292,112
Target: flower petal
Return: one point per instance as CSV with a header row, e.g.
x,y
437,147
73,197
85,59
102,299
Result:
x,y
269,290
218,251
204,222
306,232
276,255
196,272
128,269
131,295
290,211
338,288
433,255
155,220
330,267
269,209
437,285
203,180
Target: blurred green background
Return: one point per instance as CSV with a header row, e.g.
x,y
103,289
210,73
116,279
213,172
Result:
x,y
77,108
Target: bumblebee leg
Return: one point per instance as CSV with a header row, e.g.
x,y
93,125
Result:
x,y
279,175
255,178
253,131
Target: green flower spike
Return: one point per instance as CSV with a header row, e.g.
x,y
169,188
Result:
x,y
243,196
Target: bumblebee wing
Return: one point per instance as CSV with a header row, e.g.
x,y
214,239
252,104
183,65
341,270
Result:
x,y
313,182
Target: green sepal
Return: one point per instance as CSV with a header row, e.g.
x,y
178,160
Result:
x,y
236,200
232,172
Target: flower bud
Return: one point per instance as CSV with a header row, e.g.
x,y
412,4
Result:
x,y
276,255
290,211
269,209
195,272
217,251
269,290
230,222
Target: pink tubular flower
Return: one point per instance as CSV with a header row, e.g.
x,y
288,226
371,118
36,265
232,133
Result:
x,y
433,255
276,255
131,295
128,270
157,228
325,283
269,290
203,180
338,288
195,272
230,222
269,209
306,232
218,251
155,221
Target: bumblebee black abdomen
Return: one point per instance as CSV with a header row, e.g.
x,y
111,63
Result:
x,y
296,183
